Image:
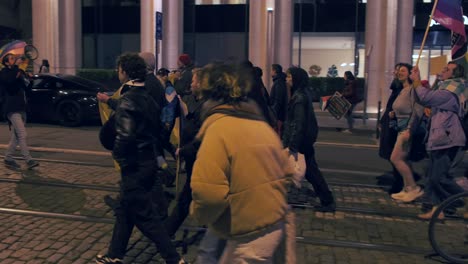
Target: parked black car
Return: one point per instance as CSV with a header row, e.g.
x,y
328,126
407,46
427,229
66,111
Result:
x,y
67,99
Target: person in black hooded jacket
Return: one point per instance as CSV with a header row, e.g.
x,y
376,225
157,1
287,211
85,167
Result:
x,y
279,95
300,133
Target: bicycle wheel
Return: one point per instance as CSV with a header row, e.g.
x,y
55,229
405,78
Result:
x,y
449,236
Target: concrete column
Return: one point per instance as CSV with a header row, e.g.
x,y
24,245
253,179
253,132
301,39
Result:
x,y
173,30
391,50
404,32
57,34
147,26
45,20
70,44
258,53
284,22
375,50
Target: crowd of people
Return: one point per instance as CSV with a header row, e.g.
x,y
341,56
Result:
x,y
237,140
420,118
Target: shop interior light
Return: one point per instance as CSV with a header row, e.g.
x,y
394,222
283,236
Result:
x,y
351,64
427,1
343,64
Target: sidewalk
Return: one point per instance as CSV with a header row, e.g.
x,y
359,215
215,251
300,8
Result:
x,y
85,140
326,120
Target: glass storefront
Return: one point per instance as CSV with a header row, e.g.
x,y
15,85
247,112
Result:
x,y
325,33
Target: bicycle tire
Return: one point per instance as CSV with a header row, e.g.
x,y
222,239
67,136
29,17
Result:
x,y
435,245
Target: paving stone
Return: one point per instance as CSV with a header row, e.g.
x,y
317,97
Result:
x,y
51,240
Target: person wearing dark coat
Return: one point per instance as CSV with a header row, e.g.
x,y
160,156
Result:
x,y
258,92
350,93
137,128
279,95
182,85
152,84
191,105
13,86
301,131
388,135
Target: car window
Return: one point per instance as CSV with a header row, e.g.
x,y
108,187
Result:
x,y
42,84
37,83
59,84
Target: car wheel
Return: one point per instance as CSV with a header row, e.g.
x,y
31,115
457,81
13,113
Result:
x,y
69,113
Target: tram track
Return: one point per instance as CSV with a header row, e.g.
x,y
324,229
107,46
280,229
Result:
x,y
299,239
52,183
347,209
71,162
60,184
360,210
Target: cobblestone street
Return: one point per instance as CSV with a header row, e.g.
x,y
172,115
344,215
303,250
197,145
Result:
x,y
55,213
29,238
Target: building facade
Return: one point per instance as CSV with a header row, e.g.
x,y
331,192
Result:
x,y
365,38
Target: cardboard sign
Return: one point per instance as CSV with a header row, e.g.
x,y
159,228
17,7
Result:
x,y
337,105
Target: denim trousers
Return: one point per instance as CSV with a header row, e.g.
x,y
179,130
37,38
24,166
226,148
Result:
x,y
17,136
257,248
349,117
440,183
138,207
210,248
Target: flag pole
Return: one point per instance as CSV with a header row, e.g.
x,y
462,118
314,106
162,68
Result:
x,y
427,31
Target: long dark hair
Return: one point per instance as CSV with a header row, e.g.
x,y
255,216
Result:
x,y
299,77
349,75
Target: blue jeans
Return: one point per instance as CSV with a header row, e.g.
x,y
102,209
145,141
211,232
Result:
x,y
258,248
349,117
17,136
210,248
254,249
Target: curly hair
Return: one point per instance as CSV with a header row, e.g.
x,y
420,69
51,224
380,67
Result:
x,y
133,65
223,82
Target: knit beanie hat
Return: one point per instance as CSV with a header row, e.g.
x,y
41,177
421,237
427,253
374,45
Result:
x,y
185,59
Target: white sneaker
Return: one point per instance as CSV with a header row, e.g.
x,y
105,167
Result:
x,y
347,131
412,195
